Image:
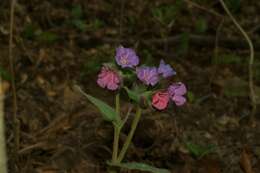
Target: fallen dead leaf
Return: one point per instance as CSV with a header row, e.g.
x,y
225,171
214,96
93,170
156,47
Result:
x,y
5,86
70,97
47,170
210,165
245,161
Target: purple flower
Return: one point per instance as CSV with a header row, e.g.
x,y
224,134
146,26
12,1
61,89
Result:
x,y
165,69
108,78
176,92
126,57
148,75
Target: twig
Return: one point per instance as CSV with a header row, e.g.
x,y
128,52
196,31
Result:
x,y
52,126
191,3
11,63
3,167
217,39
29,148
216,50
250,64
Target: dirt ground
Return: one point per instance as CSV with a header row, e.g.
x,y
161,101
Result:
x,y
58,44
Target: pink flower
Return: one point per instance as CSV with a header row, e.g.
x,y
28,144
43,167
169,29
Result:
x,y
108,78
160,100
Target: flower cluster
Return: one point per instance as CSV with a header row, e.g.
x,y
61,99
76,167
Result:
x,y
126,58
175,92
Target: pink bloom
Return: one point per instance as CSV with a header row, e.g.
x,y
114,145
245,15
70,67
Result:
x,y
160,100
108,78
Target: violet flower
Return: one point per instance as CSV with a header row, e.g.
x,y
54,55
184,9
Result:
x,y
148,75
126,57
108,78
165,69
176,92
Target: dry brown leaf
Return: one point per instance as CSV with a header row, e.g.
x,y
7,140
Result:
x,y
186,168
245,162
47,170
70,97
210,165
5,86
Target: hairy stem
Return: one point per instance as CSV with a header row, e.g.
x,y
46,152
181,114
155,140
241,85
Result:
x,y
117,130
115,143
250,64
130,135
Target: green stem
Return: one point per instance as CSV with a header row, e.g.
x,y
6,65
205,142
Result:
x,y
115,143
118,106
117,130
130,135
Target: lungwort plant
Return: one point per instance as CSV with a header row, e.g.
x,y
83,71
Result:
x,y
141,83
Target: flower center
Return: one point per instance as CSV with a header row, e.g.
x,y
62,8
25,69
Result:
x,y
146,76
124,60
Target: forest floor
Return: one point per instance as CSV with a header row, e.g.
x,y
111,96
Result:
x,y
58,44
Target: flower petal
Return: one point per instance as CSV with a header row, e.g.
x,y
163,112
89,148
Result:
x,y
179,100
126,57
108,78
177,89
148,75
165,69
160,100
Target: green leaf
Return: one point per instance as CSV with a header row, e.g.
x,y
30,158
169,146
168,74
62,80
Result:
x,y
234,5
227,59
140,166
4,74
47,37
198,150
97,24
190,96
29,31
140,96
76,12
183,47
133,95
79,24
167,13
201,25
108,113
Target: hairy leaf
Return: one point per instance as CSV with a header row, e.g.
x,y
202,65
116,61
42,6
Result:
x,y
108,113
198,150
